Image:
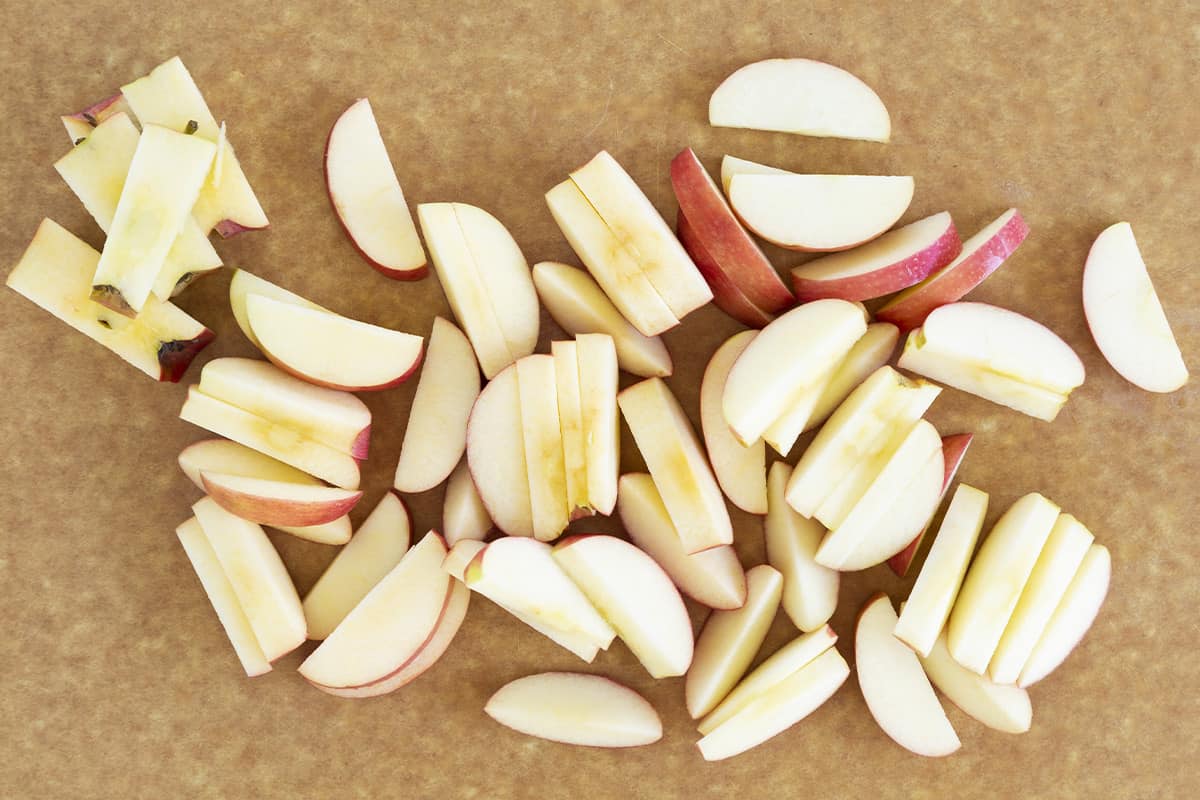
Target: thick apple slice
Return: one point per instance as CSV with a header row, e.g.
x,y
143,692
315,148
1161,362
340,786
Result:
x,y
243,284
55,273
1125,316
570,418
895,686
872,350
820,212
994,583
739,469
464,516
496,454
269,502
810,590
223,598
732,165
996,354
726,295
675,459
713,577
729,641
542,435
1075,614
436,436
1002,708
376,547
261,582
367,196
981,255
574,708
892,262
954,449
577,303
798,95
598,386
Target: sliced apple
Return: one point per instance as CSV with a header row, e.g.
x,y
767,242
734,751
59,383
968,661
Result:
x,y
460,556
496,454
570,418
872,350
82,122
810,590
464,516
732,165
783,432
726,294
542,436
598,386
1124,314
243,284
1002,708
954,449
436,436
574,708
740,470
269,502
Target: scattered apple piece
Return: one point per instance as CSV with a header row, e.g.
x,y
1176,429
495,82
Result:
x,y
954,449
542,434
740,470
732,165
460,556
81,123
570,418
1002,708
243,284
726,295
269,502
598,387
872,350
464,516
810,590
496,454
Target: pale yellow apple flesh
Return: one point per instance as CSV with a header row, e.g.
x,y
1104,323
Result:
x,y
783,432
243,284
464,516
732,165
810,590
459,556
598,387
496,454
1002,708
542,435
872,350
740,470
570,418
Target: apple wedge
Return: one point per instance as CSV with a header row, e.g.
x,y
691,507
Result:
x,y
1002,708
740,470
872,350
577,303
1124,314
376,547
436,436
574,708
243,284
954,449
996,354
675,459
726,295
570,418
460,556
732,165
598,387
464,516
799,95
981,255
729,641
367,196
810,590
895,686
635,596
269,502
541,432
894,261
55,273
496,454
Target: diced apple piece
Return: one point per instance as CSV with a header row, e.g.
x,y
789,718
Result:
x,y
269,502
574,708
570,418
732,165
726,295
810,590
872,350
598,387
1002,708
496,454
542,436
954,449
740,470
460,556
244,284
464,516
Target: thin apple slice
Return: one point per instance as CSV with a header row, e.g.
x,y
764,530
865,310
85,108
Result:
x,y
894,261
223,598
739,469
1124,314
496,454
269,502
460,556
810,590
872,350
243,284
542,435
1074,616
574,708
994,583
377,546
570,418
598,387
577,303
726,295
464,516
981,255
367,196
436,436
732,165
1002,708
895,686
954,449
729,641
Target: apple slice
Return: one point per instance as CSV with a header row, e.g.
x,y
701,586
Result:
x,y
598,387
367,196
954,449
376,547
981,255
894,261
1124,314
464,516
223,598
810,590
872,350
496,454
570,418
634,596
81,123
577,303
820,212
726,295
243,284
995,354
783,432
895,686
1075,614
77,128
259,579
460,556
1002,708
739,469
436,436
55,273
269,502
675,459
732,165
541,431
799,95
573,708
996,579
729,641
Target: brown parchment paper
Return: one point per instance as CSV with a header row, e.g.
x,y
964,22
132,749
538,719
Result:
x,y
117,681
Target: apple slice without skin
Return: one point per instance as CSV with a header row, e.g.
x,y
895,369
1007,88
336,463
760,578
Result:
x,y
367,196
895,686
1075,614
598,387
223,598
243,284
810,591
1002,708
496,454
55,273
996,354
377,546
981,255
541,431
436,436
1124,314
675,459
259,579
872,350
577,303
574,708
570,418
269,502
994,582
464,517
726,295
729,641
954,450
739,469
894,261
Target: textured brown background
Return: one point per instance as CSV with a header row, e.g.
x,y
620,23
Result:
x,y
117,680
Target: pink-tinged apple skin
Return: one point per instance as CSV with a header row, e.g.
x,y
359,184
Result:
x,y
976,262
228,228
267,510
175,357
726,295
954,449
714,226
365,435
98,112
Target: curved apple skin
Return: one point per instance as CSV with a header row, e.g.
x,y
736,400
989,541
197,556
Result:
x,y
270,506
740,470
726,295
